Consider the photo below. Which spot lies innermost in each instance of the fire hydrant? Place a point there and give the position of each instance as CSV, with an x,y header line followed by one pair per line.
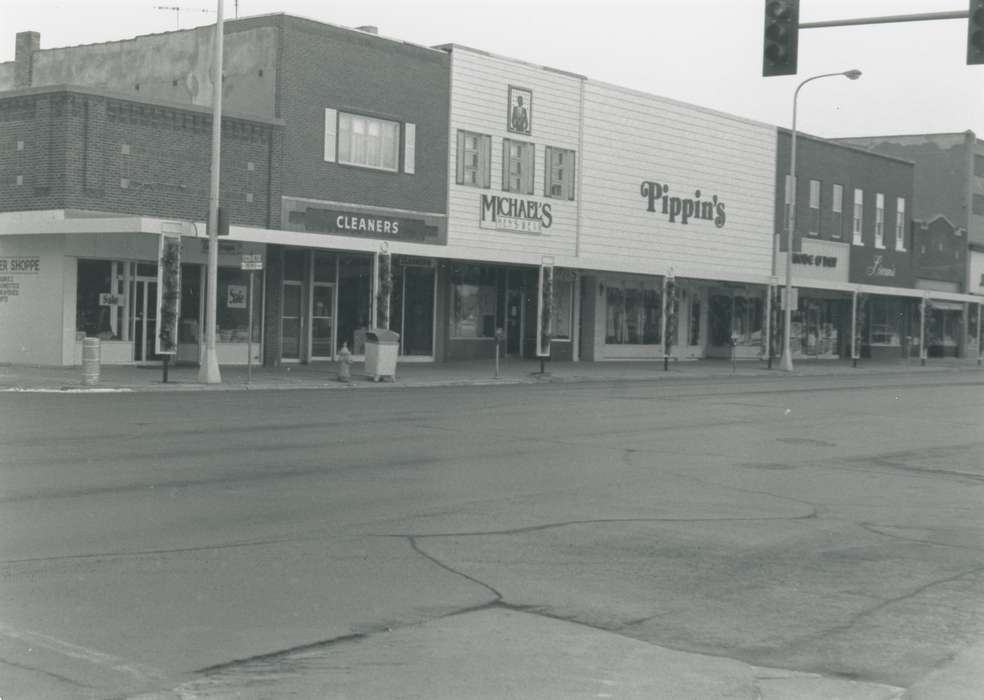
x,y
344,364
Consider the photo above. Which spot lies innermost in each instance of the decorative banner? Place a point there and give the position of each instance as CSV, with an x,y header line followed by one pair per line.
x,y
168,295
545,311
384,291
670,310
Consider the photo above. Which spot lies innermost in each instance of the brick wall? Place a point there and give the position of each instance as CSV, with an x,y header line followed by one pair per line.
x,y
329,67
832,163
76,150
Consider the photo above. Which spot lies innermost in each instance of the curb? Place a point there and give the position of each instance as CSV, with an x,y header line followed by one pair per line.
x,y
358,385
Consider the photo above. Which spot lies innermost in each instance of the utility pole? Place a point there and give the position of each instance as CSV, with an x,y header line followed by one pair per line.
x,y
208,373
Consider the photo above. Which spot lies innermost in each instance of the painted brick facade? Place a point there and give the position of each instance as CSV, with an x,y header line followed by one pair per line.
x,y
72,149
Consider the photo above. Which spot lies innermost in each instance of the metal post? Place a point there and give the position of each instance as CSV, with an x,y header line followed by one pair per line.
x,y
768,324
663,328
980,336
208,373
249,342
496,358
922,331
854,328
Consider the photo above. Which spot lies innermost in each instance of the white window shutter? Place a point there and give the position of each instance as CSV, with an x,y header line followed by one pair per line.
x,y
331,134
409,147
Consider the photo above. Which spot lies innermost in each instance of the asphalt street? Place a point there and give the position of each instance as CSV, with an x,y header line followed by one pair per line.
x,y
524,541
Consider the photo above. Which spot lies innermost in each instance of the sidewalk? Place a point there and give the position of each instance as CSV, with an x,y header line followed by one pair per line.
x,y
324,375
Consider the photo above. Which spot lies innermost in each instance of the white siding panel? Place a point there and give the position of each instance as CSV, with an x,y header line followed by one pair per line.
x,y
630,137
479,103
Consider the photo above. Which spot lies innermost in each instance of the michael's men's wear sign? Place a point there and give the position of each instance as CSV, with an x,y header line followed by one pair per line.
x,y
514,214
366,224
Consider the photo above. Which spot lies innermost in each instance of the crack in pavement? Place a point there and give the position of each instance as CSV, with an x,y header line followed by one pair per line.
x,y
836,629
593,521
872,528
50,674
412,539
149,552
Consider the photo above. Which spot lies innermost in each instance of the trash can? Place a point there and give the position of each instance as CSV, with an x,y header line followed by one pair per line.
x,y
91,357
382,347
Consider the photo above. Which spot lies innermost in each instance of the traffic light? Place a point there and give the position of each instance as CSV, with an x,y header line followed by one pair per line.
x,y
975,33
781,37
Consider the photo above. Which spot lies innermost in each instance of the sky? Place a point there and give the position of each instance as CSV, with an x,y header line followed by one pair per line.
x,y
706,52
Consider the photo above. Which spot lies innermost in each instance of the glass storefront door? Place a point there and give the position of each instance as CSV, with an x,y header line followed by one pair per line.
x,y
290,327
145,319
418,311
322,320
515,312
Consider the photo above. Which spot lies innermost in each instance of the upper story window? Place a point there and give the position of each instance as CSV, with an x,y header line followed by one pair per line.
x,y
369,142
559,180
517,166
473,159
977,204
858,216
837,210
900,223
978,165
879,220
814,222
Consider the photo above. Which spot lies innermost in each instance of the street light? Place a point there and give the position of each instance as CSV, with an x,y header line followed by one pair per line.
x,y
786,364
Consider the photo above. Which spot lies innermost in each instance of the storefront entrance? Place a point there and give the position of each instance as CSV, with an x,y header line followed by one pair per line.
x,y
322,320
515,322
417,311
144,320
290,322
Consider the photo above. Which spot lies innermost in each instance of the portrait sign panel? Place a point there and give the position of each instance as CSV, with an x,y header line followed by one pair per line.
x,y
519,118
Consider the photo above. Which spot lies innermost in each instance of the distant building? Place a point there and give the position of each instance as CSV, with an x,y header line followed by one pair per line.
x,y
949,183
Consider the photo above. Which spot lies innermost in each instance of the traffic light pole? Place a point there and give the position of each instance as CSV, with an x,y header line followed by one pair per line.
x,y
920,17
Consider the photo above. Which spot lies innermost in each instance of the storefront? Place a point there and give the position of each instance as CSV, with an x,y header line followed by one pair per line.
x,y
821,317
105,285
487,300
889,306
346,268
678,245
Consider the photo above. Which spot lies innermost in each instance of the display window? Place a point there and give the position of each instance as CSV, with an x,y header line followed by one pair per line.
x,y
232,310
100,299
563,305
735,319
633,313
473,301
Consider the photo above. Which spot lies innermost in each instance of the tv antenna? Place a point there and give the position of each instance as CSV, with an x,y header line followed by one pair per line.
x,y
178,9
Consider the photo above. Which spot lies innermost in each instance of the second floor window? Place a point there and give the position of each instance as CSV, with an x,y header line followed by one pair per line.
x,y
858,216
517,166
373,143
814,220
559,180
900,223
879,220
473,159
837,210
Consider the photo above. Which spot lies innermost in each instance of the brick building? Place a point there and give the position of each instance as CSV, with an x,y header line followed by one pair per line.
x,y
334,149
